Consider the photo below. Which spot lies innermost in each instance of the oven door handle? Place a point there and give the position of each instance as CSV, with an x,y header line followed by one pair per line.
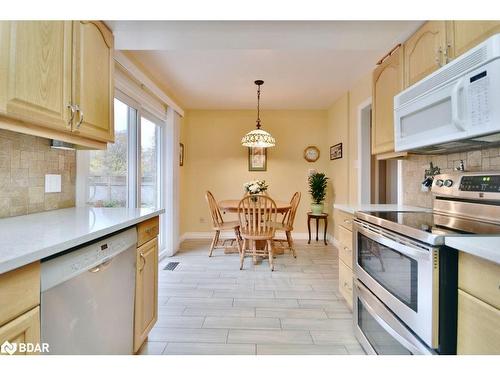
x,y
393,242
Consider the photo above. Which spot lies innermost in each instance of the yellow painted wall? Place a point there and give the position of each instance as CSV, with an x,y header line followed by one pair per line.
x,y
182,175
338,132
338,170
215,159
342,126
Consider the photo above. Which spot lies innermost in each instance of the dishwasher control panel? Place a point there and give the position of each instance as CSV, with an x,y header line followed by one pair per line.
x,y
61,268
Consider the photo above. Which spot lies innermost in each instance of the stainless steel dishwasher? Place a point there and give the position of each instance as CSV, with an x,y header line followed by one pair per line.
x,y
87,301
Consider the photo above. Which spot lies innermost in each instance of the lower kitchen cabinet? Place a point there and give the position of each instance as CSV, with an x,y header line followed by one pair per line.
x,y
19,307
25,329
345,282
146,291
19,291
344,243
478,327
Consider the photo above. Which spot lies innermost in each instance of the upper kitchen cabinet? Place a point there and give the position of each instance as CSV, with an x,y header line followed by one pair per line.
x,y
387,82
425,51
93,80
35,72
467,34
56,80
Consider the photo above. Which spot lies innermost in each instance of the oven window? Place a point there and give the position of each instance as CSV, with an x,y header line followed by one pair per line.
x,y
396,272
380,340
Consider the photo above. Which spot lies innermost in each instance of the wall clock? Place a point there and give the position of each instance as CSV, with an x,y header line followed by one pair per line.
x,y
311,154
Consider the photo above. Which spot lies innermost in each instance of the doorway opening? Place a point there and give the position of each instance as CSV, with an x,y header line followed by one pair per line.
x,y
378,178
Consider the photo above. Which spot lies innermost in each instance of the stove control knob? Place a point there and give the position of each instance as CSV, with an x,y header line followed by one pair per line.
x,y
448,183
439,183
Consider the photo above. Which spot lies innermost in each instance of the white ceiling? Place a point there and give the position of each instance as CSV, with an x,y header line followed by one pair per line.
x,y
305,64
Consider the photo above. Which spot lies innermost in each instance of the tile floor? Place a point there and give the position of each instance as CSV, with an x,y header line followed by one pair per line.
x,y
208,306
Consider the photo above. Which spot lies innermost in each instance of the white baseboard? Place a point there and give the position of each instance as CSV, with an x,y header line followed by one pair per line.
x,y
223,235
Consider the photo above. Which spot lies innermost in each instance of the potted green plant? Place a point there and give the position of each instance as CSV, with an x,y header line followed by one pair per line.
x,y
317,189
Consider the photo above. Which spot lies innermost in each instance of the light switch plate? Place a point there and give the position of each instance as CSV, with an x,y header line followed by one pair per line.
x,y
52,183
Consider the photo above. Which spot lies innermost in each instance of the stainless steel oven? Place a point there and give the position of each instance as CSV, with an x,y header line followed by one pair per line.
x,y
378,329
403,274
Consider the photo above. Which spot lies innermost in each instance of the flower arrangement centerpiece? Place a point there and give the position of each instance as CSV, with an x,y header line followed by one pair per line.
x,y
255,187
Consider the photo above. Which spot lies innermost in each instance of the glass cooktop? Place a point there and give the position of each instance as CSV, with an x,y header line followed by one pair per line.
x,y
418,220
427,226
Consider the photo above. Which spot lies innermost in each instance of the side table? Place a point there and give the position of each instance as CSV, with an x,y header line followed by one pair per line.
x,y
324,217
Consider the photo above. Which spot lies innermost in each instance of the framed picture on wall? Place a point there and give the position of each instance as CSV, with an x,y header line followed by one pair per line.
x,y
257,159
336,151
181,154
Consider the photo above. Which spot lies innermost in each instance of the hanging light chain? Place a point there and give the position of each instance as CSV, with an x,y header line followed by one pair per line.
x,y
258,106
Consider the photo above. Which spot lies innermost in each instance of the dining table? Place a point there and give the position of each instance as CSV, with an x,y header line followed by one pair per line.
x,y
231,206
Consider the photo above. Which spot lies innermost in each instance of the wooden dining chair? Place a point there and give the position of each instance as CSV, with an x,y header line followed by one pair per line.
x,y
286,224
219,225
256,215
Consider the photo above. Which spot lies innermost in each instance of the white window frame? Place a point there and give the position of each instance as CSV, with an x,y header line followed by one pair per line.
x,y
133,161
160,125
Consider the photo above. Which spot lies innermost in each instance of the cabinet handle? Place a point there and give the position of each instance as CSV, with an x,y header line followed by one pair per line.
x,y
349,222
439,56
446,53
81,117
71,107
141,255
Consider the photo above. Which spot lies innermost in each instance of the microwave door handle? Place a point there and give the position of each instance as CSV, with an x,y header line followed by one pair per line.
x,y
455,117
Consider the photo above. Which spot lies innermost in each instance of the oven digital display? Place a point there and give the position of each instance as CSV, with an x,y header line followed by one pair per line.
x,y
480,183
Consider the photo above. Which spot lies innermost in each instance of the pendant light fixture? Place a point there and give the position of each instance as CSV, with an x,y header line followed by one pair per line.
x,y
258,137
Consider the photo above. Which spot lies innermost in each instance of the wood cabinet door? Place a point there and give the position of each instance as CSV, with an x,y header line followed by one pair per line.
x,y
93,87
24,329
467,34
35,72
146,291
345,282
478,329
425,51
387,82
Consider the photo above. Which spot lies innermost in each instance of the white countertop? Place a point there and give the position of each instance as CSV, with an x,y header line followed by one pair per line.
x,y
28,238
352,208
486,247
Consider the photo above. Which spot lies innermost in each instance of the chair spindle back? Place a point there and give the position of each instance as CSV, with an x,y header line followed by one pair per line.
x,y
257,213
289,218
214,210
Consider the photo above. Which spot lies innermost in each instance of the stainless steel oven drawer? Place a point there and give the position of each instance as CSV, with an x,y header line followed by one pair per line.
x,y
378,330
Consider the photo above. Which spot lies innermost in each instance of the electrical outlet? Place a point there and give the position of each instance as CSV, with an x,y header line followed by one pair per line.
x,y
203,220
52,183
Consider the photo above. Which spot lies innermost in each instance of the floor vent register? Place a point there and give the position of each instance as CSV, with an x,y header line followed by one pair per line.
x,y
171,266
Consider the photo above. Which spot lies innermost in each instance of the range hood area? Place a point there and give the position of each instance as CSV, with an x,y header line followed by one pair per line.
x,y
491,140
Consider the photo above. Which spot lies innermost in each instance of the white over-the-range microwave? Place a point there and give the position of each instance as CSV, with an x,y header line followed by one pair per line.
x,y
455,108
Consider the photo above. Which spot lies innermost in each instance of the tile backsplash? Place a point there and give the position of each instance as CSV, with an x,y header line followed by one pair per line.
x,y
24,161
414,168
